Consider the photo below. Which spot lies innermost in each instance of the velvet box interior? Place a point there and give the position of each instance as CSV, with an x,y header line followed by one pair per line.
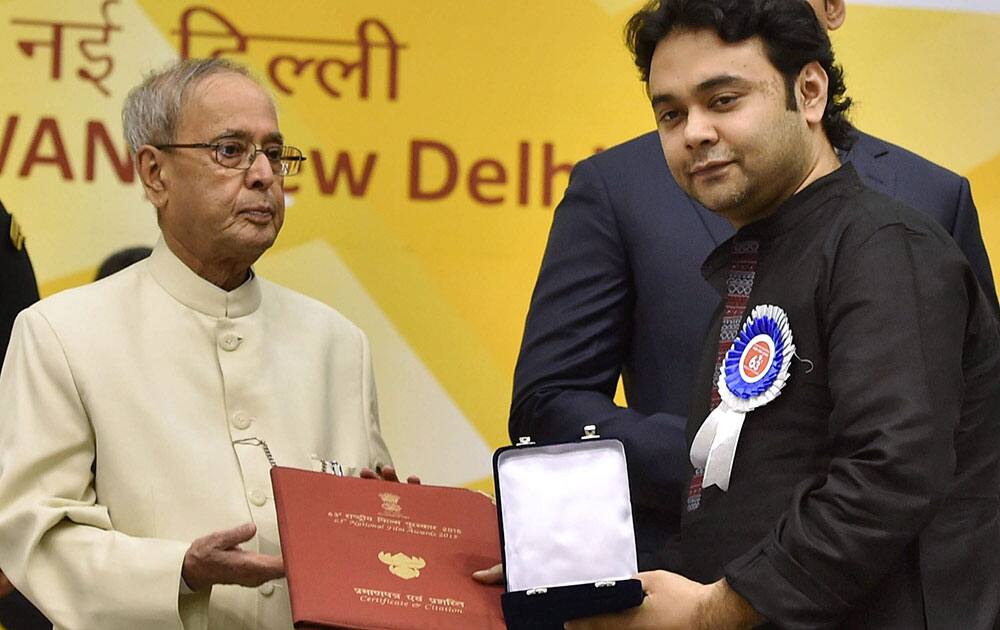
x,y
566,531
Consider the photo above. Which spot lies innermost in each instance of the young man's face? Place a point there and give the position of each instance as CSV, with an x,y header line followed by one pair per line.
x,y
728,136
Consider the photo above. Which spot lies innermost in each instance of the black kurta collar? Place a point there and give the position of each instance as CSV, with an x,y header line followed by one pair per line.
x,y
788,215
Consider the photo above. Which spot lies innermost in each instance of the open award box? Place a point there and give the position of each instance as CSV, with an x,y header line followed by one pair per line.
x,y
566,531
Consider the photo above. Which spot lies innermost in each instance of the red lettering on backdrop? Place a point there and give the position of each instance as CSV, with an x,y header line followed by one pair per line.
x,y
524,163
86,45
371,35
357,185
47,127
46,146
477,178
417,149
97,132
485,172
8,136
230,30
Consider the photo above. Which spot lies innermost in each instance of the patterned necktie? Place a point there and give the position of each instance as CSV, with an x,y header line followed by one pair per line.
x,y
742,267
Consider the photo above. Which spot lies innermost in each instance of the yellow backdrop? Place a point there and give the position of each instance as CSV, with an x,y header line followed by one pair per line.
x,y
439,136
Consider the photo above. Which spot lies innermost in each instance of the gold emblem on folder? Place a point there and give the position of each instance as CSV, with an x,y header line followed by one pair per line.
x,y
402,565
16,235
390,504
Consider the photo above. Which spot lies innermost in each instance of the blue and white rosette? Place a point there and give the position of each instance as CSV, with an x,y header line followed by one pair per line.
x,y
753,373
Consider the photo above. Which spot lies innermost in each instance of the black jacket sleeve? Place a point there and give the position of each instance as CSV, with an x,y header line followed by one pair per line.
x,y
17,280
575,339
896,318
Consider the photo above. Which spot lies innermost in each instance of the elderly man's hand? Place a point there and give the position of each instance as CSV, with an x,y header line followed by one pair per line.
x,y
386,473
490,576
218,559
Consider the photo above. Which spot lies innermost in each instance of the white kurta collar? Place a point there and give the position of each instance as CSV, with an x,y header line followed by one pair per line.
x,y
190,289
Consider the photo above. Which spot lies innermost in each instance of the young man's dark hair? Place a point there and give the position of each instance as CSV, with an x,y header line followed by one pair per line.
x,y
791,34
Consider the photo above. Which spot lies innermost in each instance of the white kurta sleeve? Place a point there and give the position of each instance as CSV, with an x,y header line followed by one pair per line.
x,y
58,544
378,453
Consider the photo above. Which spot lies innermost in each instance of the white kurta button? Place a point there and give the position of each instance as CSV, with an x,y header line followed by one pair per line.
x,y
266,589
242,420
258,498
229,342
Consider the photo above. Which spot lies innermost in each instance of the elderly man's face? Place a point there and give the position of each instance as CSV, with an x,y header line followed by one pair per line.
x,y
212,212
727,134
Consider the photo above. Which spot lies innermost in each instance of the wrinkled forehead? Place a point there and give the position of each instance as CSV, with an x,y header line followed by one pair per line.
x,y
229,101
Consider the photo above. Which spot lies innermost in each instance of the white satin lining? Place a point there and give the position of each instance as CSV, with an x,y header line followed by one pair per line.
x,y
566,513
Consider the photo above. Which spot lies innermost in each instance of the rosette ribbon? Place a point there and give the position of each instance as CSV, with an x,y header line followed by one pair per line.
x,y
755,369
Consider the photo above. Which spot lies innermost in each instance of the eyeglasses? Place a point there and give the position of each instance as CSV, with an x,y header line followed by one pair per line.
x,y
284,160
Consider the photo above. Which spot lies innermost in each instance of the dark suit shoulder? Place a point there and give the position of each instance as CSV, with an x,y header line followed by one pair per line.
x,y
622,183
636,180
942,194
640,154
908,166
638,147
871,210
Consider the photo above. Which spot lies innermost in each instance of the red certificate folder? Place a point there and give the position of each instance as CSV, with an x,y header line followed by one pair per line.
x,y
374,555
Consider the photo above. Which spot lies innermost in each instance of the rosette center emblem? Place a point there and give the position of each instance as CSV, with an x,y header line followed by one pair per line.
x,y
757,359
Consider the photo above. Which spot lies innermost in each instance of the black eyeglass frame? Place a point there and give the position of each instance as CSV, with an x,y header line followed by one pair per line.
x,y
284,161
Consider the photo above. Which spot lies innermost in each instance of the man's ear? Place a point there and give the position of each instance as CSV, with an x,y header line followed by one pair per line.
x,y
834,12
149,165
811,91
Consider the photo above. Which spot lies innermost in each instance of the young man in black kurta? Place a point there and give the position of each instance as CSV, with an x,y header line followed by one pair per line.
x,y
864,494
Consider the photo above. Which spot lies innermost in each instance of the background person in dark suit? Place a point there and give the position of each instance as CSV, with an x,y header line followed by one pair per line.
x,y
17,279
620,293
17,291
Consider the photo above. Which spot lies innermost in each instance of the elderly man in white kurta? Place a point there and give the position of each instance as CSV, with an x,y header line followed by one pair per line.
x,y
134,487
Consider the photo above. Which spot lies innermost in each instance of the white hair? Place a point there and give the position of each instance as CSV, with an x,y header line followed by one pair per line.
x,y
152,108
